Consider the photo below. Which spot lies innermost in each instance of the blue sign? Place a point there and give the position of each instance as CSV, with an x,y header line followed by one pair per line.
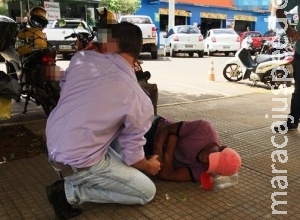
x,y
252,4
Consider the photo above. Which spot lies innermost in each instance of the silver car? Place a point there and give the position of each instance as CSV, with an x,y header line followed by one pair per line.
x,y
184,39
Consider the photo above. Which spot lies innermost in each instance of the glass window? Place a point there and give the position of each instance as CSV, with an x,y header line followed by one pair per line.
x,y
188,30
170,32
74,25
267,34
224,31
255,34
137,20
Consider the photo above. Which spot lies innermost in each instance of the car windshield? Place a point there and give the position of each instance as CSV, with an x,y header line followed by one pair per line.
x,y
279,32
136,20
72,24
224,31
188,30
253,34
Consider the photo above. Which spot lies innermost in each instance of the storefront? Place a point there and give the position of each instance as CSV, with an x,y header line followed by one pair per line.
x,y
182,17
244,22
211,20
205,14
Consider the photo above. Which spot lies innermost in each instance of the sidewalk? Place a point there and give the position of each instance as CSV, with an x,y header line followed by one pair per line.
x,y
241,123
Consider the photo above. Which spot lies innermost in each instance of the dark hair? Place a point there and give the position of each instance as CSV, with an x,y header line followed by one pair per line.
x,y
130,39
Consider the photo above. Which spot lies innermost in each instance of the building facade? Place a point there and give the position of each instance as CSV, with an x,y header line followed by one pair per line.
x,y
237,14
209,14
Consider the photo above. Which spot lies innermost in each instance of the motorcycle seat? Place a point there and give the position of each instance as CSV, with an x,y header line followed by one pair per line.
x,y
269,57
245,57
263,58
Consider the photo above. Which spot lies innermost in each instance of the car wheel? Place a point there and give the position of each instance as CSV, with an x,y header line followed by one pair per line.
x,y
279,74
153,55
208,52
172,53
67,56
191,54
232,72
201,53
166,54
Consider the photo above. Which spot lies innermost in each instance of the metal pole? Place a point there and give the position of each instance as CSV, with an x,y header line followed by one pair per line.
x,y
21,9
27,6
171,22
86,14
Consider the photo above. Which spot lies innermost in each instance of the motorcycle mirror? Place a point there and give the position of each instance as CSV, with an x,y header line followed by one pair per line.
x,y
102,11
62,23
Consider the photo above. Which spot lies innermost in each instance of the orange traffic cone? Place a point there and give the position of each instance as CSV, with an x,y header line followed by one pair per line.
x,y
211,72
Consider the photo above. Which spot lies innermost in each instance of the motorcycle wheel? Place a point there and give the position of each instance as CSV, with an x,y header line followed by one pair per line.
x,y
280,74
55,89
232,72
48,96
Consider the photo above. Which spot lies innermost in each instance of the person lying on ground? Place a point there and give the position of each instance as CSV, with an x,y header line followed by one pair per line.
x,y
188,148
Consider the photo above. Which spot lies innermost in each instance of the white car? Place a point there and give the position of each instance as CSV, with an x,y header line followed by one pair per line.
x,y
222,40
184,39
61,28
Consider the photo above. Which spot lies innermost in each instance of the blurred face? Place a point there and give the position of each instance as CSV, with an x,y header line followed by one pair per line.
x,y
108,41
203,156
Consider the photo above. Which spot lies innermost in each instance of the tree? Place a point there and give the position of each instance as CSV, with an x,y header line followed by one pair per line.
x,y
3,11
90,20
121,6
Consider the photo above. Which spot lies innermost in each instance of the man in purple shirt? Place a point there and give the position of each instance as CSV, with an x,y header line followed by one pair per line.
x,y
188,148
101,106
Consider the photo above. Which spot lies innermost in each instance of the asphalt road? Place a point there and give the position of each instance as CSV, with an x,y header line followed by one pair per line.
x,y
189,76
185,75
180,80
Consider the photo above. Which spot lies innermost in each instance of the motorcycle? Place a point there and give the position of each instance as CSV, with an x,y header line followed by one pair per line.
x,y
273,70
33,76
278,46
83,39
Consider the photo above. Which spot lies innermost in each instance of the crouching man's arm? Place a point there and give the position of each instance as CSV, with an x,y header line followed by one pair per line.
x,y
151,166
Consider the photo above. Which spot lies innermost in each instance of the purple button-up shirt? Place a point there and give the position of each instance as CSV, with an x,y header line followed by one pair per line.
x,y
100,99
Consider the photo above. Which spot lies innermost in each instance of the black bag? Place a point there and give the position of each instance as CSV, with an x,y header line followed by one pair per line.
x,y
9,87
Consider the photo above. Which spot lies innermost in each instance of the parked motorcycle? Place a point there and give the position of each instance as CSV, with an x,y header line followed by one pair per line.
x,y
271,47
33,76
83,39
273,70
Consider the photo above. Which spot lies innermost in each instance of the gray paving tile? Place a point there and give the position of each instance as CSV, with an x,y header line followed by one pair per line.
x,y
242,125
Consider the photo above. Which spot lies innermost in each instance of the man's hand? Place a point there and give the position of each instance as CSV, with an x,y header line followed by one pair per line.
x,y
150,166
154,165
292,34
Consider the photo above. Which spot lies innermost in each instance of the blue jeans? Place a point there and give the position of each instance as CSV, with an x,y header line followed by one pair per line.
x,y
110,181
